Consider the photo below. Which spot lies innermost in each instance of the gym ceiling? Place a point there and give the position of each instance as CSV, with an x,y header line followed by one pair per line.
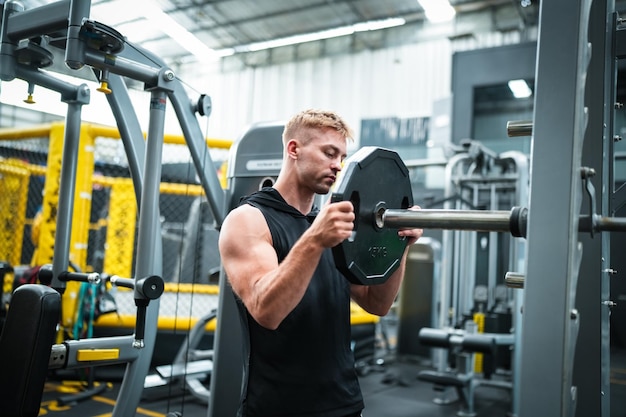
x,y
238,26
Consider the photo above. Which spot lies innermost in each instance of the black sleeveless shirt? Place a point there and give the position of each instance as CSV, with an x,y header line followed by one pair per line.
x,y
305,367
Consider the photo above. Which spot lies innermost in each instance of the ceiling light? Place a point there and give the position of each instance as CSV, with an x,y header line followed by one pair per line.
x,y
378,24
520,88
325,34
182,36
437,11
293,40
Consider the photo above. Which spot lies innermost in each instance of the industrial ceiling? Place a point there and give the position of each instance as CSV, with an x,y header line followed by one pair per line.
x,y
236,26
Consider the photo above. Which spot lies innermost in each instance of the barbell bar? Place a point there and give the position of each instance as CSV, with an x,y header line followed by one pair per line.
x,y
513,221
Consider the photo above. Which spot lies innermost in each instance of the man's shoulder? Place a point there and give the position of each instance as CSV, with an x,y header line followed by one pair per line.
x,y
242,219
244,211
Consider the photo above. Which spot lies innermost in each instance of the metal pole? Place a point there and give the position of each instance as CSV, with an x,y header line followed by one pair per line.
x,y
149,256
477,220
130,131
67,186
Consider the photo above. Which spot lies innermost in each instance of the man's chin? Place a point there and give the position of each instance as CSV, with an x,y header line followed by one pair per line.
x,y
323,190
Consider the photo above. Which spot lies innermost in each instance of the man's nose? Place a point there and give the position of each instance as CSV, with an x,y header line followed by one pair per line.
x,y
337,165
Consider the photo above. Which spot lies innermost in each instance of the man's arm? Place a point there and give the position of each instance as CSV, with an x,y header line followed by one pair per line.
x,y
269,290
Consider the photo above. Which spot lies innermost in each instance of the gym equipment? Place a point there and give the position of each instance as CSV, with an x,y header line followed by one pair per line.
x,y
478,177
374,250
573,124
93,46
376,181
514,280
254,162
149,288
28,333
513,221
464,344
372,253
190,366
517,128
417,305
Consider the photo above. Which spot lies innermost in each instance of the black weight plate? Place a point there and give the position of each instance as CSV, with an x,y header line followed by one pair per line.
x,y
371,179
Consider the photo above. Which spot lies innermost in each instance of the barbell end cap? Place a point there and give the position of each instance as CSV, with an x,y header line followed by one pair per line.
x,y
514,280
518,221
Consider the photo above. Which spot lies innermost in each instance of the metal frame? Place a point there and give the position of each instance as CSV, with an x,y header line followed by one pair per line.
x,y
551,322
457,284
144,161
566,296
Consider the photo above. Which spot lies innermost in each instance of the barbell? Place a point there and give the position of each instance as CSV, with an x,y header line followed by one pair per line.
x,y
377,182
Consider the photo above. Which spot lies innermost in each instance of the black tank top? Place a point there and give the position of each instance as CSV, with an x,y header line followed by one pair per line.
x,y
305,367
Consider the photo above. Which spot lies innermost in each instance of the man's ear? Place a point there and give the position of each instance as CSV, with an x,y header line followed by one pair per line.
x,y
293,148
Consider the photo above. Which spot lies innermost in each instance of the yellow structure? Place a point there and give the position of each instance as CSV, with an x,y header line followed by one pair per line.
x,y
120,222
14,177
479,319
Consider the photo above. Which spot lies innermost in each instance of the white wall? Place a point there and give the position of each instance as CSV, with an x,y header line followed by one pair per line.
x,y
402,81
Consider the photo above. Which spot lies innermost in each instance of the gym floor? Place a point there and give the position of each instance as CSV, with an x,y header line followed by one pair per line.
x,y
390,389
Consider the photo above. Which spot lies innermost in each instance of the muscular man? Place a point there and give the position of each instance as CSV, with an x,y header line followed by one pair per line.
x,y
294,303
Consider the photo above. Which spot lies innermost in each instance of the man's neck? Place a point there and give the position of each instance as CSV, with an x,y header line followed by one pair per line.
x,y
300,199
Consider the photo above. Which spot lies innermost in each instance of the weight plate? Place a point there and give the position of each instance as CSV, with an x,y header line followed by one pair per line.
x,y
372,179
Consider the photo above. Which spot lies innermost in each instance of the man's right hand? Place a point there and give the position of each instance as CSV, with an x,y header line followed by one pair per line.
x,y
333,224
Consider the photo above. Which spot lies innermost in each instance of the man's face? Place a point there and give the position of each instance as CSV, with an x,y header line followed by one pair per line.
x,y
320,160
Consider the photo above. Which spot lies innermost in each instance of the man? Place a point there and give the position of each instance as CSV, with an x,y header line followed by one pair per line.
x,y
294,303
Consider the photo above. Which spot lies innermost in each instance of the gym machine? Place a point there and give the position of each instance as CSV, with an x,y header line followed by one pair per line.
x,y
254,162
464,344
34,39
190,367
472,292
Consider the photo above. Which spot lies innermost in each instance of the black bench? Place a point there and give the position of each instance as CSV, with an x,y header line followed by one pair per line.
x,y
25,344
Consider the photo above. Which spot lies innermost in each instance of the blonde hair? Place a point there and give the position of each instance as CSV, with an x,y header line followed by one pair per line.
x,y
313,119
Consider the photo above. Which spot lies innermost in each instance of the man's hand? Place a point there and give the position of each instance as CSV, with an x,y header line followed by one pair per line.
x,y
412,234
333,224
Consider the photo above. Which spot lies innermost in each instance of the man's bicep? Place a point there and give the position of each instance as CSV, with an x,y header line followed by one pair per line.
x,y
246,249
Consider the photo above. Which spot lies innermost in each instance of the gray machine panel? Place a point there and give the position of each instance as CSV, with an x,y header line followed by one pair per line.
x,y
255,160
